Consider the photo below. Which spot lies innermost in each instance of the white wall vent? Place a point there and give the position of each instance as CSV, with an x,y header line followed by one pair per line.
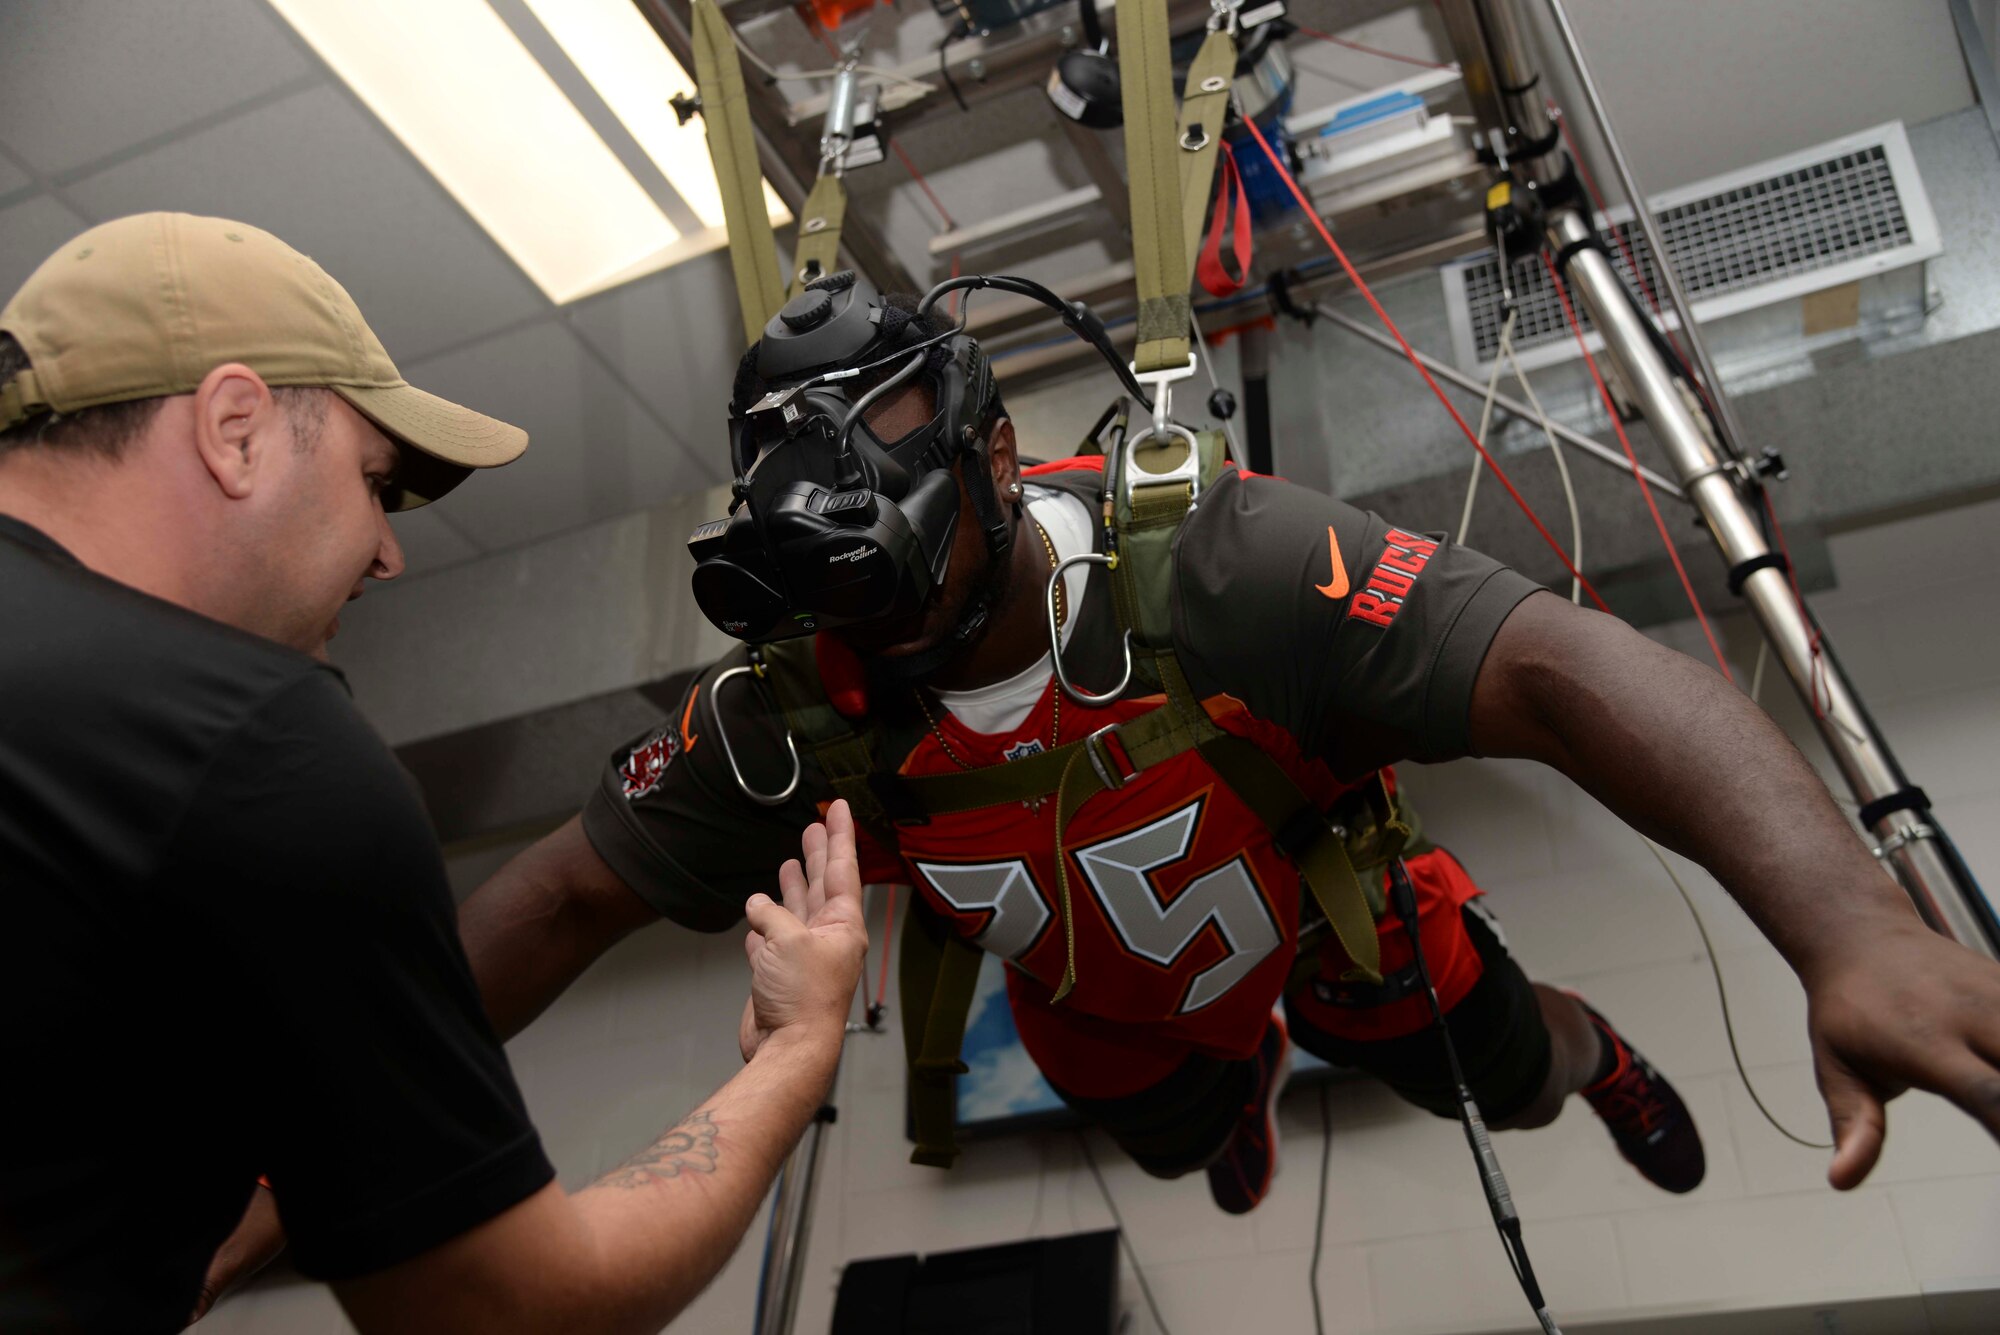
x,y
1846,210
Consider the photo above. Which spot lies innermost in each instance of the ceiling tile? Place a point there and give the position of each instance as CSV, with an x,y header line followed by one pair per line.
x,y
594,451
428,539
86,78
676,339
29,233
323,174
12,178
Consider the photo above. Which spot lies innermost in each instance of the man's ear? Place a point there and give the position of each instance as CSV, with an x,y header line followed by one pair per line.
x,y
1005,456
235,427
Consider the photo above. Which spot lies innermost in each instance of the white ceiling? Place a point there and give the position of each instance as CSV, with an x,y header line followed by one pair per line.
x,y
115,106
109,107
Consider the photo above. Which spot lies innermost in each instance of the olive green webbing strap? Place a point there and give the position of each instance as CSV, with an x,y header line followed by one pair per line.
x,y
1146,740
1204,103
1158,252
845,755
818,250
936,977
1323,862
732,144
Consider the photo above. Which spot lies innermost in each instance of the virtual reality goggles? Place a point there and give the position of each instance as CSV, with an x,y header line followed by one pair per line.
x,y
831,525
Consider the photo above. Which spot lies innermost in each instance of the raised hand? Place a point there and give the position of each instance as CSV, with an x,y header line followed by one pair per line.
x,y
806,953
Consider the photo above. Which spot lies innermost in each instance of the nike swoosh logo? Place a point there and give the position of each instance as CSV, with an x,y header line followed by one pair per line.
x,y
1336,587
688,739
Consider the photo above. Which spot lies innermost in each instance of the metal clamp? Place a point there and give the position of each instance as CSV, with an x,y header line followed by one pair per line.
x,y
1735,468
729,752
1907,835
1162,427
1161,382
1069,688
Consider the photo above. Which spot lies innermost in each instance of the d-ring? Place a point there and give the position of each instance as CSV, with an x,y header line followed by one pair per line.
x,y
1076,693
729,752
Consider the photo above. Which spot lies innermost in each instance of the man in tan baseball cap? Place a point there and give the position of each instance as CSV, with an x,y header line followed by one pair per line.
x,y
172,355
144,307
225,933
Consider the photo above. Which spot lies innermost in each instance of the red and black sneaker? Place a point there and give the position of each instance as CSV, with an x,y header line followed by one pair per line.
x,y
1647,1119
1241,1176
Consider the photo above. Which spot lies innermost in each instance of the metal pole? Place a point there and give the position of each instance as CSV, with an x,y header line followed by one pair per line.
x,y
791,1231
1908,836
1911,843
1530,132
1445,371
1642,213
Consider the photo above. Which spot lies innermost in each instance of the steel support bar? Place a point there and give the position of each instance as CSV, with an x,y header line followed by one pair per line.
x,y
1909,837
791,1231
1642,213
1978,65
789,164
1518,84
1451,374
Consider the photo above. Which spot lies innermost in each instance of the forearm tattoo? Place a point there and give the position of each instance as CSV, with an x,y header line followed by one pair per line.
x,y
688,1147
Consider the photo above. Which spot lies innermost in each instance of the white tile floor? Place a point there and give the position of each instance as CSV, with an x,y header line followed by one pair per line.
x,y
650,1029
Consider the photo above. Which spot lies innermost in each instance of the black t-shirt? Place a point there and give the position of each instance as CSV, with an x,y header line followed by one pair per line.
x,y
1356,640
226,947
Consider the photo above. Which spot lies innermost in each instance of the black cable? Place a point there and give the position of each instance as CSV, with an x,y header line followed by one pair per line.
x,y
944,67
1083,1143
1078,318
1319,1219
1093,27
1499,1199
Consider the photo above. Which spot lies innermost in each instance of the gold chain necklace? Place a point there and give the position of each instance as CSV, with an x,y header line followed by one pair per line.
x,y
1055,714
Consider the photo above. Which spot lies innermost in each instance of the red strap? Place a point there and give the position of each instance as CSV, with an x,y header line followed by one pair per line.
x,y
1216,280
1078,463
841,676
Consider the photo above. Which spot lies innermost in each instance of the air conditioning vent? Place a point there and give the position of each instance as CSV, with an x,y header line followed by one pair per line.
x,y
1844,211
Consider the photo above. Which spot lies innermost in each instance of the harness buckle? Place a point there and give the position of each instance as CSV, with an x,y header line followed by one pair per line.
x,y
1161,382
1162,428
1109,772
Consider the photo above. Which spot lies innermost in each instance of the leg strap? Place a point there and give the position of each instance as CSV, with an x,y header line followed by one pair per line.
x,y
938,974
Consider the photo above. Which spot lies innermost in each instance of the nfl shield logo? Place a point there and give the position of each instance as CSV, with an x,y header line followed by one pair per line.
x,y
1022,750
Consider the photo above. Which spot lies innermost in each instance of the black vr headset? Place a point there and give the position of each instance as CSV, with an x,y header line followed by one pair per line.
x,y
831,525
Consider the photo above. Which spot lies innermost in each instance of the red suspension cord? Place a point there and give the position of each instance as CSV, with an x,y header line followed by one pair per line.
x,y
1362,287
888,944
1817,678
1816,675
1318,36
1645,489
922,184
1625,249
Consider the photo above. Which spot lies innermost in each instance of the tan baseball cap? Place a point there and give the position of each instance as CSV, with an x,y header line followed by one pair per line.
x,y
145,306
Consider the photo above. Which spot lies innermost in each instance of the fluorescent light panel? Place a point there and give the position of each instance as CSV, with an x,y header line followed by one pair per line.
x,y
635,74
453,83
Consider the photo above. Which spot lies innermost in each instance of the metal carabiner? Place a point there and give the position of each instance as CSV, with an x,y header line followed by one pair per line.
x,y
1074,692
729,752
